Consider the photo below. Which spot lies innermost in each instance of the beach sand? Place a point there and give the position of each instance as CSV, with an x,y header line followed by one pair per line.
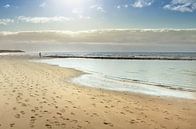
x,y
39,96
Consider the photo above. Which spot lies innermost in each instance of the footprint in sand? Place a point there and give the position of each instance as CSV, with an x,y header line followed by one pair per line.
x,y
122,113
95,114
107,123
22,112
162,126
74,121
129,111
24,104
33,110
56,123
166,118
17,116
62,110
45,111
79,126
87,122
106,107
32,121
61,117
32,126
132,122
26,100
33,118
36,114
63,124
58,113
12,124
92,98
72,113
105,112
94,104
48,126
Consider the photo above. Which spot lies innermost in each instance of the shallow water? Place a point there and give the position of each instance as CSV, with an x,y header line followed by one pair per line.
x,y
154,77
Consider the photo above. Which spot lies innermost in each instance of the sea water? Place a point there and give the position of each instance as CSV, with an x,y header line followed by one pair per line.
x,y
153,77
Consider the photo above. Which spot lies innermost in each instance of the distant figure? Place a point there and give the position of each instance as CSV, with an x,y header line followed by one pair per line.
x,y
40,54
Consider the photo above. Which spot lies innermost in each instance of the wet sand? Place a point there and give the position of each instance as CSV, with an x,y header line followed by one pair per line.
x,y
39,96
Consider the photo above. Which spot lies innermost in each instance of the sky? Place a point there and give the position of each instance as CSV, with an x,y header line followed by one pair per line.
x,y
119,25
74,15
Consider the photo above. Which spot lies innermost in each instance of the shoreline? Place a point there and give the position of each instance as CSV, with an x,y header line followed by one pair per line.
x,y
79,73
185,92
193,93
36,95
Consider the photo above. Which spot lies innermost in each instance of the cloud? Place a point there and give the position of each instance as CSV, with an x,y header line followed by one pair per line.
x,y
122,6
93,6
126,5
142,3
6,21
43,5
118,6
101,40
159,36
77,11
6,6
98,8
181,5
82,17
43,20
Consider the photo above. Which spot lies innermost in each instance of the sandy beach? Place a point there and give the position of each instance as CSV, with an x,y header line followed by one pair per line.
x,y
40,96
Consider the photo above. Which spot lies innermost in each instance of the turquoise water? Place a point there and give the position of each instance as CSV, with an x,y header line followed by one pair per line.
x,y
153,77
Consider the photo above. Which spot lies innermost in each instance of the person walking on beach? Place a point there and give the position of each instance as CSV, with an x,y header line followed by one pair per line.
x,y
40,54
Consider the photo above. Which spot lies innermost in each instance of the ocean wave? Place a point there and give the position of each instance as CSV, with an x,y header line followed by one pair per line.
x,y
171,87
